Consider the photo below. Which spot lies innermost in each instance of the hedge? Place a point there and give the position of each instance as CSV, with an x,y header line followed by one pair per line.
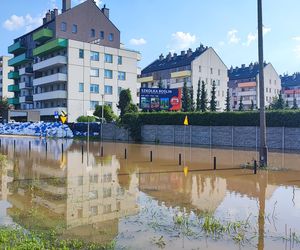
x,y
135,121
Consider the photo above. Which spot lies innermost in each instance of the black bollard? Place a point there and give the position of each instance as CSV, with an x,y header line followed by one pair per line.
x,y
150,156
179,160
14,145
62,151
215,163
255,167
46,147
29,146
82,150
125,153
102,151
0,143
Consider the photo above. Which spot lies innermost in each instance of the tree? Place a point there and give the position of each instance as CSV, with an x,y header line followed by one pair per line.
x,y
228,101
124,101
185,98
198,103
287,106
213,102
4,104
86,119
241,105
192,103
278,103
108,113
160,84
203,99
252,105
295,105
132,108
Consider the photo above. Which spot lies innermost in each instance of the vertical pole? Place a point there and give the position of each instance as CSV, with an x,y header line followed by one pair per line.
x,y
82,153
151,156
179,160
255,167
14,145
29,146
263,151
0,143
215,163
46,148
125,153
102,151
62,151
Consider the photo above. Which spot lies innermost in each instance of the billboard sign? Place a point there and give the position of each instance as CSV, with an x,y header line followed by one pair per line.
x,y
160,99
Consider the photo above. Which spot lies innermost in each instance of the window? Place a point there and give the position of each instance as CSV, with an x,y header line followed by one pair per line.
x,y
108,90
121,76
94,56
93,195
80,180
108,104
63,26
199,68
74,28
106,192
102,35
93,34
219,72
107,209
211,71
94,210
94,88
108,58
108,74
111,37
93,105
120,60
95,72
81,53
81,87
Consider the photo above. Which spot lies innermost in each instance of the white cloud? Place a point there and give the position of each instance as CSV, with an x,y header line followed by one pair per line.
x,y
296,38
19,22
252,37
232,37
297,51
182,41
221,43
137,42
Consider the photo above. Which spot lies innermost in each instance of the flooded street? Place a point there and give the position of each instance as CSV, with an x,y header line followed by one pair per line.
x,y
119,194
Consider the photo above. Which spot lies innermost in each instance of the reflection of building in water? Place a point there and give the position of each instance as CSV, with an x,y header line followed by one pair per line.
x,y
86,200
6,178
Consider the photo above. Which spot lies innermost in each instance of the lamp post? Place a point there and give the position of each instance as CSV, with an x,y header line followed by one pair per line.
x,y
263,151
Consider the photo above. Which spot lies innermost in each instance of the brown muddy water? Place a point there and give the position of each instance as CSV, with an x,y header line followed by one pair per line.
x,y
141,204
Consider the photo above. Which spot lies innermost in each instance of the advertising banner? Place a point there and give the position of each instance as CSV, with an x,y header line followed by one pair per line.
x,y
160,99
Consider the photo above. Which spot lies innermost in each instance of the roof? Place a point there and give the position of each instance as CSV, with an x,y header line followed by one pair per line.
x,y
244,72
174,61
290,80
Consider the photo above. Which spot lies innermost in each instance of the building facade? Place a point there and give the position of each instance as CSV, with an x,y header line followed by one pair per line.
x,y
72,63
244,85
5,78
291,89
172,71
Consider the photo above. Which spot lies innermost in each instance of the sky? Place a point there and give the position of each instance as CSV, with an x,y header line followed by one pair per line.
x,y
160,26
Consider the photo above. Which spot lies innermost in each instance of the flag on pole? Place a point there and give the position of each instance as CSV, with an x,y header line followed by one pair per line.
x,y
186,121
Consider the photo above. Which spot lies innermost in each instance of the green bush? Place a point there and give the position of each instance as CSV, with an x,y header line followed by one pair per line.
x,y
86,119
284,118
108,113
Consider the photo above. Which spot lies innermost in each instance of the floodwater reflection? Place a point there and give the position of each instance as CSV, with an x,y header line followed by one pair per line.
x,y
58,185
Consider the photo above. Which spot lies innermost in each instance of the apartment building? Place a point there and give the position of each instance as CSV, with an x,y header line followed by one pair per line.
x,y
5,78
291,88
244,85
72,63
172,71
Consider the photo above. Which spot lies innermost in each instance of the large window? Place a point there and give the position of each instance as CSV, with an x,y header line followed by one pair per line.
x,y
94,88
108,58
93,34
63,26
120,60
121,75
93,104
95,72
74,28
102,35
94,56
108,90
108,74
81,53
81,87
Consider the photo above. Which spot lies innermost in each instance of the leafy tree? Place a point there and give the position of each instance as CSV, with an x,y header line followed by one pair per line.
x,y
287,106
295,105
198,102
213,102
124,101
203,99
108,113
160,84
132,108
192,103
252,105
241,105
228,101
185,98
278,103
4,104
86,119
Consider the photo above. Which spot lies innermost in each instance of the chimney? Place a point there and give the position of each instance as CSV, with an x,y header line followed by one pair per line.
x,y
52,15
48,16
243,66
161,57
174,56
231,69
182,53
44,20
169,56
55,12
189,52
105,11
66,5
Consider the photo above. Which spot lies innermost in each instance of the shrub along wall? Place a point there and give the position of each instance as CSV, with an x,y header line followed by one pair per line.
x,y
135,121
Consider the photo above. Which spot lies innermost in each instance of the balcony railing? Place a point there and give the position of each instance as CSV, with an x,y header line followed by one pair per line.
x,y
42,35
13,75
18,60
16,48
13,88
50,47
13,101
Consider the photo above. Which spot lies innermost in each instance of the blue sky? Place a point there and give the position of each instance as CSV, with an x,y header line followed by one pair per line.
x,y
159,26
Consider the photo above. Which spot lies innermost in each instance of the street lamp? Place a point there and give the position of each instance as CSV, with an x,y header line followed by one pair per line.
x,y
263,151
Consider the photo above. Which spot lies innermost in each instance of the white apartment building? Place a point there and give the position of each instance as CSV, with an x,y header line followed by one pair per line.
x,y
5,78
244,84
203,64
291,88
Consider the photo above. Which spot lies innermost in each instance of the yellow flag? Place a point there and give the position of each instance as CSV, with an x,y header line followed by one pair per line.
x,y
186,171
63,119
186,121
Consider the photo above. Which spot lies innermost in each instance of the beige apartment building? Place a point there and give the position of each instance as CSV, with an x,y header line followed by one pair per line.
x,y
5,77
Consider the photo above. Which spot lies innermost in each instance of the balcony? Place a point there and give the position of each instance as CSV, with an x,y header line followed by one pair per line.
x,y
16,48
13,88
42,35
25,85
18,60
13,101
26,99
58,94
145,79
50,47
59,77
25,71
13,75
247,93
51,62
179,74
